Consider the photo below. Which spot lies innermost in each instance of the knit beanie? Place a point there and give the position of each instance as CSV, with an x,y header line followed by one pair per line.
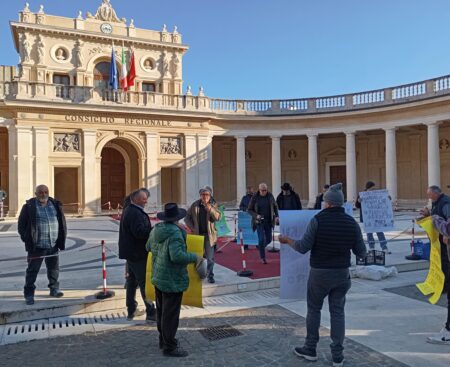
x,y
334,195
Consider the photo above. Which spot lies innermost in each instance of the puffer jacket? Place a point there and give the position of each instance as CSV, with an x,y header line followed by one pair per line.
x,y
167,242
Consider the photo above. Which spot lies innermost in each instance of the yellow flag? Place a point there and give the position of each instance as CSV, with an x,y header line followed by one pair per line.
x,y
434,283
193,295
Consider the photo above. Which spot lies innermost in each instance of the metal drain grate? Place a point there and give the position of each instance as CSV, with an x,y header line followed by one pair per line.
x,y
220,332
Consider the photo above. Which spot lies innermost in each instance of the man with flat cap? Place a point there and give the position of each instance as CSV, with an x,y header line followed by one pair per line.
x,y
200,219
330,236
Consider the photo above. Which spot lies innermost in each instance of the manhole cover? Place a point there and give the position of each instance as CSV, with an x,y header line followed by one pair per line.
x,y
220,332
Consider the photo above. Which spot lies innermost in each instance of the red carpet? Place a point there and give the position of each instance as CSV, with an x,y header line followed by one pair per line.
x,y
230,257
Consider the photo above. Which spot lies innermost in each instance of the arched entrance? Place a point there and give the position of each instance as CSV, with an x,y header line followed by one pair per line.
x,y
119,172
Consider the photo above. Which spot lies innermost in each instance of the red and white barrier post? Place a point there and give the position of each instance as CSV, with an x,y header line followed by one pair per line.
x,y
105,293
273,248
244,272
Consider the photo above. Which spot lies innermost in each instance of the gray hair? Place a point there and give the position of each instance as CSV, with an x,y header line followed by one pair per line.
x,y
435,188
137,192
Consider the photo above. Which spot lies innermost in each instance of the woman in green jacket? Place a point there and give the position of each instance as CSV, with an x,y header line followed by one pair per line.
x,y
170,258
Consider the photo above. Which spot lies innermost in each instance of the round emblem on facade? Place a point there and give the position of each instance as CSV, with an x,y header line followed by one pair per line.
x,y
106,28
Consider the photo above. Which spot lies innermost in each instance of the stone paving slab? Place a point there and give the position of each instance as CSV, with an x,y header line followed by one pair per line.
x,y
269,335
411,291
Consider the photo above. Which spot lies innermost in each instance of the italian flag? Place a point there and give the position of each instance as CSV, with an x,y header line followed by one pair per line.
x,y
124,76
132,74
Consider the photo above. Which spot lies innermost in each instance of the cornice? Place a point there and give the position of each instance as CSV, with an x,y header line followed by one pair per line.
x,y
86,35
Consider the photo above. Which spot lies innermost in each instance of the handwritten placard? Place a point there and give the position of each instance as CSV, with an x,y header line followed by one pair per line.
x,y
377,211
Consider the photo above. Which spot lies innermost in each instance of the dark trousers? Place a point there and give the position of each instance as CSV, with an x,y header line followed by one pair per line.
x,y
335,284
445,266
34,265
210,251
168,307
136,277
264,231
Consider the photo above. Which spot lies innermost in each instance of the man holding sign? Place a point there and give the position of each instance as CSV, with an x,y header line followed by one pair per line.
x,y
330,236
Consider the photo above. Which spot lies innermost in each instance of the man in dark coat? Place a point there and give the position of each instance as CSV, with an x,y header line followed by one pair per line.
x,y
331,236
243,206
288,199
264,212
319,198
42,227
134,230
440,206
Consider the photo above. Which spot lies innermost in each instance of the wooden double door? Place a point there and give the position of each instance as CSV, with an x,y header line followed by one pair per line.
x,y
113,178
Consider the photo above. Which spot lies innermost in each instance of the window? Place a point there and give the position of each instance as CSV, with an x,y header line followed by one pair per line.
x,y
62,83
61,79
101,75
148,87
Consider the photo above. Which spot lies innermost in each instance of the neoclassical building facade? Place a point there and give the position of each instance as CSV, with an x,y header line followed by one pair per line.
x,y
61,125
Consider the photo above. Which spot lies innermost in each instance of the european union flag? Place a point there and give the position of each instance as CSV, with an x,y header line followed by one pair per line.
x,y
113,78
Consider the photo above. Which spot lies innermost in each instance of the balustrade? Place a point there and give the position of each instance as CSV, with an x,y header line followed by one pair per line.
x,y
18,89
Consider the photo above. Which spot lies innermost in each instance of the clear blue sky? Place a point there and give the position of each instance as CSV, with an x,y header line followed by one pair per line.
x,y
262,49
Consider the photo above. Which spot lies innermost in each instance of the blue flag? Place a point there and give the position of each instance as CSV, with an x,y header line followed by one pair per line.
x,y
113,80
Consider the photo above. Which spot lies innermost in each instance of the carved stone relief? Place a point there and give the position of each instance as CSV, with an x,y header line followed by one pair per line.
x,y
170,145
174,66
25,48
164,64
40,50
66,142
79,54
106,13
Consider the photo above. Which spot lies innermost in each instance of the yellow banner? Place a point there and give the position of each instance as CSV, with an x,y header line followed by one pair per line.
x,y
193,295
434,283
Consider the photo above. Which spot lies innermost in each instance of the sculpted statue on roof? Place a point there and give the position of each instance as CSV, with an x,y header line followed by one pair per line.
x,y
106,13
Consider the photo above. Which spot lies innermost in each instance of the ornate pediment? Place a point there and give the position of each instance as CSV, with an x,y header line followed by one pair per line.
x,y
106,13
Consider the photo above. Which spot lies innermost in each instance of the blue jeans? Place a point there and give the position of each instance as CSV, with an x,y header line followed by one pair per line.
x,y
381,238
335,284
264,231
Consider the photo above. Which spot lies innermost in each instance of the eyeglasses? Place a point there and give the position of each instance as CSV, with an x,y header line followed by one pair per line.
x,y
263,190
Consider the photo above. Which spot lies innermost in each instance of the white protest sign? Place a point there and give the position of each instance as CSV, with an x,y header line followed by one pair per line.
x,y
348,206
294,266
377,212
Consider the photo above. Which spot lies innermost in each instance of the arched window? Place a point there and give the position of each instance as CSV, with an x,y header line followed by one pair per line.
x,y
101,75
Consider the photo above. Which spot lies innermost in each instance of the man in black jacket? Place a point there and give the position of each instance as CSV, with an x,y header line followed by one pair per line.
x,y
330,236
134,230
319,198
264,212
42,227
288,199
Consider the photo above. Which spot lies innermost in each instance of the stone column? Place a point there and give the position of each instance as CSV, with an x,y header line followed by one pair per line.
x,y
152,174
313,170
21,188
241,172
276,164
205,161
350,162
434,162
90,199
391,163
41,164
191,169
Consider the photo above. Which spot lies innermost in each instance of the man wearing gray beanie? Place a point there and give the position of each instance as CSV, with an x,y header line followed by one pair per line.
x,y
330,236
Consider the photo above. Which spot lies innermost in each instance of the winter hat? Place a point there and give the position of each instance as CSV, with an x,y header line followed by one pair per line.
x,y
334,195
369,185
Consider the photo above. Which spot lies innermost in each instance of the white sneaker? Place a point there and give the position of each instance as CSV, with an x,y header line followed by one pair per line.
x,y
442,338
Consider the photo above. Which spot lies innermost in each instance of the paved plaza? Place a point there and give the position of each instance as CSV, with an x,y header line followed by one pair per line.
x,y
268,335
387,321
